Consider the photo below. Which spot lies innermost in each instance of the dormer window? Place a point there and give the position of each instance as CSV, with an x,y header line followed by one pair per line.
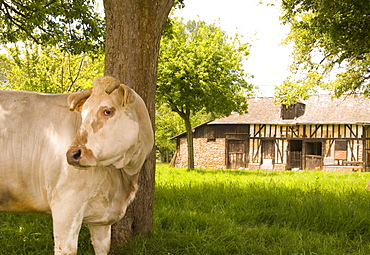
x,y
292,111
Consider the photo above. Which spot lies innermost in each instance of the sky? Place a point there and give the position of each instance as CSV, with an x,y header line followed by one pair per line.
x,y
259,25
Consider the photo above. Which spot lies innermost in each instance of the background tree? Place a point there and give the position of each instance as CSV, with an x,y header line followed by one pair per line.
x,y
329,35
73,25
200,70
169,124
48,69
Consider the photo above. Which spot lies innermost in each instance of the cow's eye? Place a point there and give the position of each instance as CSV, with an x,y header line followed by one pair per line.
x,y
107,112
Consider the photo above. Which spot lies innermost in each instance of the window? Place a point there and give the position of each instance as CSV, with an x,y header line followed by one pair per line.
x,y
314,148
341,145
288,112
292,111
340,150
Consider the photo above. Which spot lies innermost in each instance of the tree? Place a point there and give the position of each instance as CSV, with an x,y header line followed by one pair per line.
x,y
133,32
48,69
200,70
169,124
327,36
74,25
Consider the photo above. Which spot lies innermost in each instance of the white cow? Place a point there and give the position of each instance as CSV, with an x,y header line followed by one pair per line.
x,y
76,167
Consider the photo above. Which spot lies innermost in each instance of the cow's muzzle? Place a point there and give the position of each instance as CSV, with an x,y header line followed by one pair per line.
x,y
74,156
80,156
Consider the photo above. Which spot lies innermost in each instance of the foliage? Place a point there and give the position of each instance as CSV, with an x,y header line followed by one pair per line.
x,y
46,42
327,36
291,91
5,66
169,124
48,69
200,70
73,25
355,78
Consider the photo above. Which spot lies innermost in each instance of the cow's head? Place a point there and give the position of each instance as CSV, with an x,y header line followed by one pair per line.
x,y
115,130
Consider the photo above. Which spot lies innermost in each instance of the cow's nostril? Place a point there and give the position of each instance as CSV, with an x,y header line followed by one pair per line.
x,y
74,156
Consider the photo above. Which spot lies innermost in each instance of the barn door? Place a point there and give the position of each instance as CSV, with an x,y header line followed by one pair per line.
x,y
236,154
314,155
268,152
295,154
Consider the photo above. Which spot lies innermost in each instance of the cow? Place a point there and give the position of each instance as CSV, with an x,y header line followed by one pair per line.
x,y
74,156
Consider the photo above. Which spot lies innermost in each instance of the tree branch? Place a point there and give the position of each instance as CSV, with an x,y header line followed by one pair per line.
x,y
17,22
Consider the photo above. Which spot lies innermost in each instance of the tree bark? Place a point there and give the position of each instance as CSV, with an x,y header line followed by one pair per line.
x,y
189,138
133,34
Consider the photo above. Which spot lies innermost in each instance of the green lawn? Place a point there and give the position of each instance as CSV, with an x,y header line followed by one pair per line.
x,y
258,212
233,212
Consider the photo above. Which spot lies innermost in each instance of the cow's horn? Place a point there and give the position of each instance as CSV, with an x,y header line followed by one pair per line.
x,y
77,99
112,86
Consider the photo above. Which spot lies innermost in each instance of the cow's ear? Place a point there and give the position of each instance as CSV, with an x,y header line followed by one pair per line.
x,y
128,94
77,100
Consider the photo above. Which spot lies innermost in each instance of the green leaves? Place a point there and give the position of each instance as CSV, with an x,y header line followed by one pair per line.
x,y
73,25
200,70
327,36
48,69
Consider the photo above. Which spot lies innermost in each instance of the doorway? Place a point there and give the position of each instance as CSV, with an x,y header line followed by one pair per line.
x,y
314,157
268,152
295,154
236,150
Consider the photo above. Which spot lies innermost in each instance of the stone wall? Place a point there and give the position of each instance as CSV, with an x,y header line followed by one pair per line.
x,y
342,169
275,167
212,154
207,154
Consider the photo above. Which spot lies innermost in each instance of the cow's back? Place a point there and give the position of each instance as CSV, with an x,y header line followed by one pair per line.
x,y
35,132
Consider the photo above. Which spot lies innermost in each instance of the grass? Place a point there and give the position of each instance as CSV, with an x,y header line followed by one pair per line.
x,y
232,212
258,212
33,234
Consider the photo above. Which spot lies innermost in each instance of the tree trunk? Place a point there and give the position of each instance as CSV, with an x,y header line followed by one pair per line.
x,y
133,33
189,137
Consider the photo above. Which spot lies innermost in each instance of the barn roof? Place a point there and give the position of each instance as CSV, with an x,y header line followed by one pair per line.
x,y
320,109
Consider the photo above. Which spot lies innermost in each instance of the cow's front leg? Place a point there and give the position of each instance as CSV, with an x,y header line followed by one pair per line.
x,y
66,227
100,237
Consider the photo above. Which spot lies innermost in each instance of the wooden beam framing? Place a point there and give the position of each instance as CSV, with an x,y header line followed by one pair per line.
x,y
260,129
350,130
315,131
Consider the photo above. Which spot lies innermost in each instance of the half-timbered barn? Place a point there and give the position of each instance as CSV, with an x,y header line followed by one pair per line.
x,y
319,133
